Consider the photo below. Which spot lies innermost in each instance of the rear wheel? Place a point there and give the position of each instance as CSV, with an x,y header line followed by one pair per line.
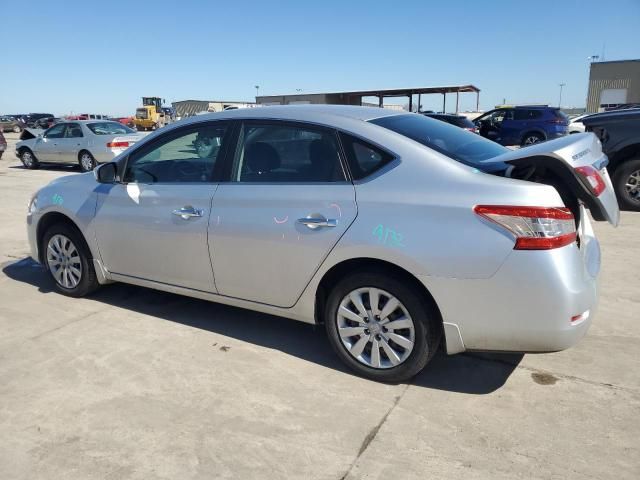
x,y
531,138
86,161
627,184
28,159
381,327
68,261
16,129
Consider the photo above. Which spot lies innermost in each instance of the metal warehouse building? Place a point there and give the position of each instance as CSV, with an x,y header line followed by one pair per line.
x,y
612,84
188,108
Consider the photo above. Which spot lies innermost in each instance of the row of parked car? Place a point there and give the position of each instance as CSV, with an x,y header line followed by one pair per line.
x,y
17,123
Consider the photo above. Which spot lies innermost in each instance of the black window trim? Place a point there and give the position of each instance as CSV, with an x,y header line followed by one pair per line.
x,y
230,157
173,134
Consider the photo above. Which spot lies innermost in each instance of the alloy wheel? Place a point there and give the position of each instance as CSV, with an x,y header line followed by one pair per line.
x,y
27,159
16,129
63,259
86,161
375,328
531,139
632,185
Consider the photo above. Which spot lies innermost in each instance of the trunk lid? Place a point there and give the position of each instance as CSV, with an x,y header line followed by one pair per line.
x,y
577,161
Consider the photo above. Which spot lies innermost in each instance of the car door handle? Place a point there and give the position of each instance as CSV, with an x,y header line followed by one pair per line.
x,y
188,212
317,222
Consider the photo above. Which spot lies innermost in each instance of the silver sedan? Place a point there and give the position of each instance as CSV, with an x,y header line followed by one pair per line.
x,y
396,231
85,143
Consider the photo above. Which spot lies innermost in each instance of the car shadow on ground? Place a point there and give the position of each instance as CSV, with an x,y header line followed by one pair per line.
x,y
465,373
54,167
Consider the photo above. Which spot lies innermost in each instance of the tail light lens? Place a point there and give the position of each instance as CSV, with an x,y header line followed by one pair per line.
x,y
535,228
118,144
593,179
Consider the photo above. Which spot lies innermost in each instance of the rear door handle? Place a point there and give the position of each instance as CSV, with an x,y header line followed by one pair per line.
x,y
188,212
317,222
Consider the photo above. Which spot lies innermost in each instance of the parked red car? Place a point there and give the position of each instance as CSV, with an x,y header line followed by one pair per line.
x,y
3,144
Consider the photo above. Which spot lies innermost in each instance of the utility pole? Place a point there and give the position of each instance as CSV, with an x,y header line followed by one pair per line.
x,y
560,99
257,87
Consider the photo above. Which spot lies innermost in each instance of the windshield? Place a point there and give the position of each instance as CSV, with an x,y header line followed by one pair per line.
x,y
109,128
454,142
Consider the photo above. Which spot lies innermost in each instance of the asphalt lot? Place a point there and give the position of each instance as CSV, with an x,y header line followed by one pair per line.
x,y
137,384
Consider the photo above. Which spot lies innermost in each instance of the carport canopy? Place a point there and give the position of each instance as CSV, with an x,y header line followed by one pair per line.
x,y
410,92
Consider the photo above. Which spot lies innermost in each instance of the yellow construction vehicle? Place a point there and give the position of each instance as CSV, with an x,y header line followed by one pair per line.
x,y
150,116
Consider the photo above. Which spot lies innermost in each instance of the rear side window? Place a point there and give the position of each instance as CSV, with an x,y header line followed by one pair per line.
x,y
364,159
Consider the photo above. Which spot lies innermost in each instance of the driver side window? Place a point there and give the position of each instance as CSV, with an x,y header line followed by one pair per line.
x,y
185,156
55,132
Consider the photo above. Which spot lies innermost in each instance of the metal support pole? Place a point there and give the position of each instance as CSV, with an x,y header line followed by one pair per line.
x,y
419,102
477,101
380,101
444,102
457,99
411,103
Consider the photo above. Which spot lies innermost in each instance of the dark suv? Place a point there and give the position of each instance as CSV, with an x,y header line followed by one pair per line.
x,y
522,125
619,132
457,120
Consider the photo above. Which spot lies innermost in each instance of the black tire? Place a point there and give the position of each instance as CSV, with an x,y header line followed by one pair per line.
x,y
531,138
88,280
86,161
628,199
28,159
16,129
428,329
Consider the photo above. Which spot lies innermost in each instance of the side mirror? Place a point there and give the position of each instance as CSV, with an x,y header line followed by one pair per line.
x,y
106,173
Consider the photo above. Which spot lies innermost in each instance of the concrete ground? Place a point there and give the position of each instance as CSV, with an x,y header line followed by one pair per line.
x,y
137,384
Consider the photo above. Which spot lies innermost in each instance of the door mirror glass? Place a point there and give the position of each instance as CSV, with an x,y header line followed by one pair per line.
x,y
106,173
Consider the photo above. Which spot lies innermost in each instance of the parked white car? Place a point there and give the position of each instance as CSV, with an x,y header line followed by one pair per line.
x,y
576,125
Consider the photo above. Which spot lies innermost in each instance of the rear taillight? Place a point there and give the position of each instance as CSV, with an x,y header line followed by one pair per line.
x,y
471,129
118,144
593,178
558,121
535,228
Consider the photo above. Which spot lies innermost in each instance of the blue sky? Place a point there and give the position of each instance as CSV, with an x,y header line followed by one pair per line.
x,y
102,57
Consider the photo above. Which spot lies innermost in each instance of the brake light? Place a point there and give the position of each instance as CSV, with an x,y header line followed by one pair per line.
x,y
593,178
558,121
535,228
471,129
118,144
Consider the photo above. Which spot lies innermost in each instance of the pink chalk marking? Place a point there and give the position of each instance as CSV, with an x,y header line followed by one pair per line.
x,y
280,222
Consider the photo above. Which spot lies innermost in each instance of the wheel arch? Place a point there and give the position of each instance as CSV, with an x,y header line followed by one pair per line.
x,y
342,268
530,130
628,152
52,218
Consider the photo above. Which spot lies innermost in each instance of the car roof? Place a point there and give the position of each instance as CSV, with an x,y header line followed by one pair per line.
x,y
613,115
451,115
305,112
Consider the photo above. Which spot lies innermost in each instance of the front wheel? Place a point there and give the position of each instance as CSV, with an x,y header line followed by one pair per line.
x,y
68,261
381,327
16,129
86,161
627,184
28,159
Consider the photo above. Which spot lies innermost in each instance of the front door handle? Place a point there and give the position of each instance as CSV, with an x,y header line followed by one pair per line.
x,y
317,222
188,212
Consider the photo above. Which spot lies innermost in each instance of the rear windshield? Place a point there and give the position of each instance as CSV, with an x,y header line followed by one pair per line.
x,y
109,128
460,145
